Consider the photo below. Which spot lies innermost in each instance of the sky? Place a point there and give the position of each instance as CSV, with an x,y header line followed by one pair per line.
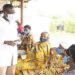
x,y
51,7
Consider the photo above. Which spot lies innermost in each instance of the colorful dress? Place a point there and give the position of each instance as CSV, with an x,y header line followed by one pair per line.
x,y
72,72
42,54
57,65
28,46
27,42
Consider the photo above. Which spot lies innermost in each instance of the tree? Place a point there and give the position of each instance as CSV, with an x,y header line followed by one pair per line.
x,y
70,26
55,22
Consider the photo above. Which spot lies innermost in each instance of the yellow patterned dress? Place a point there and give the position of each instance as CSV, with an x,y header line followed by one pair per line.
x,y
28,63
42,54
57,65
27,42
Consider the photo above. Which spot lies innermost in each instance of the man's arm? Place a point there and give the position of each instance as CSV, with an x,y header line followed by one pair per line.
x,y
11,43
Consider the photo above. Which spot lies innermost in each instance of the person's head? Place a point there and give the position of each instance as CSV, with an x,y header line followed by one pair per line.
x,y
44,37
8,9
27,29
71,52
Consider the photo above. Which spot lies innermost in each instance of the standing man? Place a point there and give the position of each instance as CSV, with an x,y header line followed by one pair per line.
x,y
8,36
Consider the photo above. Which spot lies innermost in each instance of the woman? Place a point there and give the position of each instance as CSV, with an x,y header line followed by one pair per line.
x,y
27,39
71,61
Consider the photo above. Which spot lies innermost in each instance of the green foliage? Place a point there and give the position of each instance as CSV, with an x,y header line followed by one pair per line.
x,y
56,20
70,26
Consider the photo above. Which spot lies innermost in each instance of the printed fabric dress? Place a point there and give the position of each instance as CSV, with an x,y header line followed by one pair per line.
x,y
72,72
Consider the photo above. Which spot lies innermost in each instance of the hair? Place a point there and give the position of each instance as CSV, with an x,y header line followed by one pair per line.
x,y
44,32
1,12
71,52
27,26
7,6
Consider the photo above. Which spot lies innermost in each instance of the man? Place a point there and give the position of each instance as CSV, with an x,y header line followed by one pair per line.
x,y
8,36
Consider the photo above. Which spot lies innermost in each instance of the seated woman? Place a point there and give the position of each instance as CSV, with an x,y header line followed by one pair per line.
x,y
71,61
42,50
27,65
27,39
